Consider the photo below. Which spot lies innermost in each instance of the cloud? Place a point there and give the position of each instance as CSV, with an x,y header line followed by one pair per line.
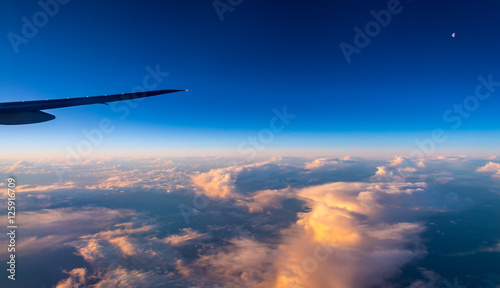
x,y
158,174
396,231
398,169
131,255
483,249
74,219
47,188
381,171
267,199
350,237
404,161
430,280
397,161
76,279
124,244
495,248
51,228
100,245
36,243
186,236
322,162
293,223
26,167
119,277
220,183
491,167
91,251
344,239
244,263
152,174
341,241
120,230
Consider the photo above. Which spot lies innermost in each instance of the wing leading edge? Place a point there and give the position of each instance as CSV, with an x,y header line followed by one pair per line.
x,y
28,112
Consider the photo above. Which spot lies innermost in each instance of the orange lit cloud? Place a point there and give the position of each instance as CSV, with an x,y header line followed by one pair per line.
x,y
337,244
186,236
340,242
76,279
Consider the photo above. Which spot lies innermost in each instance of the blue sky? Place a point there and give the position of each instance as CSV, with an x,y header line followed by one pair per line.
x,y
260,57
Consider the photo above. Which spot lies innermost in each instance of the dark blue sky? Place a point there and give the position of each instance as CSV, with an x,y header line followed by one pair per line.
x,y
262,56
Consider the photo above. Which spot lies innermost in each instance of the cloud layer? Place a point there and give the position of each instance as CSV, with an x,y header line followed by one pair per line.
x,y
278,223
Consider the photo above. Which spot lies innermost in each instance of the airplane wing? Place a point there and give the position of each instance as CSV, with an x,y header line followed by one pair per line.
x,y
28,112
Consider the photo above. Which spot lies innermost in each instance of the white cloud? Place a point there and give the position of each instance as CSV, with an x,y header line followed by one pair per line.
x,y
403,161
381,171
220,183
322,162
491,167
47,188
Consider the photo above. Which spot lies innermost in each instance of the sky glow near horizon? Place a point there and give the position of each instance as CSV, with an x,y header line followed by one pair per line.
x,y
395,92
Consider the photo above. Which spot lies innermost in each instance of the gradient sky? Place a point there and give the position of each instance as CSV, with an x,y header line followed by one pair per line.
x,y
130,212
262,56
